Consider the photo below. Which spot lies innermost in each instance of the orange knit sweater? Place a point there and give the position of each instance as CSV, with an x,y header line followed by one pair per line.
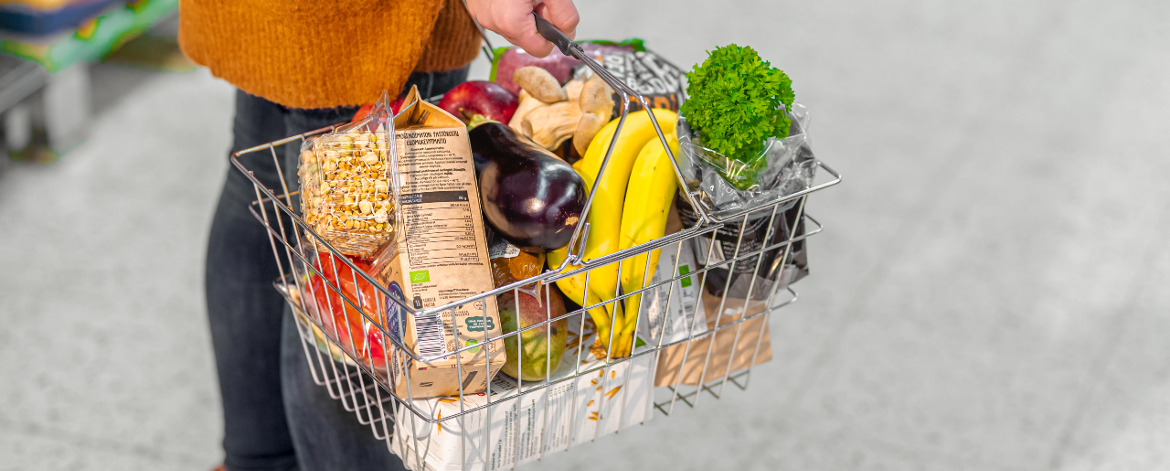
x,y
325,53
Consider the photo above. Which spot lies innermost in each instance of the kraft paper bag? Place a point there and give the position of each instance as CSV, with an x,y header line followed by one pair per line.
x,y
670,359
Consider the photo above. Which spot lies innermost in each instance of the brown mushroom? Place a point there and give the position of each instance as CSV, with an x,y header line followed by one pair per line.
x,y
540,84
596,97
587,128
549,126
527,104
596,105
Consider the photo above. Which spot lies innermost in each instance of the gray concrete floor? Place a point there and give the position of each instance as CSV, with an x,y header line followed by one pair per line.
x,y
989,292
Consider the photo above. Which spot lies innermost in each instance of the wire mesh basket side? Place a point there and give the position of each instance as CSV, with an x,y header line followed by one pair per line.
x,y
295,286
360,339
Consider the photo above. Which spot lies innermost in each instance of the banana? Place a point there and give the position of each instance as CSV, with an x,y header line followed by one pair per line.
x,y
648,200
574,288
605,214
588,181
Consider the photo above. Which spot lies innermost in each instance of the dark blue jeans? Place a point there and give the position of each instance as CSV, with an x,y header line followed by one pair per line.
x,y
275,417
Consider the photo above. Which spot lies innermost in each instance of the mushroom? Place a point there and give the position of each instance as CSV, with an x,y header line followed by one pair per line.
x,y
596,105
527,104
549,126
540,84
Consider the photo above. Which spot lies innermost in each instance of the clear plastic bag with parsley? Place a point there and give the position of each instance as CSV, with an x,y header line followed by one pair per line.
x,y
744,141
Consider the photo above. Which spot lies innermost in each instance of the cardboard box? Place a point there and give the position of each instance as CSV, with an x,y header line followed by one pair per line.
x,y
440,255
521,429
670,359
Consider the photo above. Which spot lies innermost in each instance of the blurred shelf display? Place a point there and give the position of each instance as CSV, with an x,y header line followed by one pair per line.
x,y
41,18
44,73
92,38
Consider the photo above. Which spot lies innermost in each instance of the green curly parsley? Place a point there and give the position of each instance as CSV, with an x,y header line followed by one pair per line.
x,y
734,102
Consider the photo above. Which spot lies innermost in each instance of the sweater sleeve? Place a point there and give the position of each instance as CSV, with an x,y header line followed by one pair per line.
x,y
324,53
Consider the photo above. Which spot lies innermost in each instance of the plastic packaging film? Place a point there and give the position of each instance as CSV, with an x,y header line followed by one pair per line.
x,y
727,186
347,191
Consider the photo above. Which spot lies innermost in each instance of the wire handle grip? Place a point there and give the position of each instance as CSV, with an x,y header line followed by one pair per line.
x,y
555,36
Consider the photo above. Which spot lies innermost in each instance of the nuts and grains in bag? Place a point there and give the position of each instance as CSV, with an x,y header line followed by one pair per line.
x,y
345,189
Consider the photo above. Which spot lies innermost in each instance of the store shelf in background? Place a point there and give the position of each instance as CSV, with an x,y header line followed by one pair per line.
x,y
45,97
39,18
153,51
19,80
93,39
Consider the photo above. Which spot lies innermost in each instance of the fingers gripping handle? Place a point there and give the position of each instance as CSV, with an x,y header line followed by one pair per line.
x,y
554,35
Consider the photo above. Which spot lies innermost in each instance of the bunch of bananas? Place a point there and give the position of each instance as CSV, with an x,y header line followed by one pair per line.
x,y
630,208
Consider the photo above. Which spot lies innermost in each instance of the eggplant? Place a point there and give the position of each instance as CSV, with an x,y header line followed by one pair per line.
x,y
529,197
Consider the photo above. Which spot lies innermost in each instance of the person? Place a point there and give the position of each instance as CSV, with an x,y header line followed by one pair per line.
x,y
301,65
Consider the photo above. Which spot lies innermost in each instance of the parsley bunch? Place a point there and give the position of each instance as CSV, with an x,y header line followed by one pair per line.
x,y
734,101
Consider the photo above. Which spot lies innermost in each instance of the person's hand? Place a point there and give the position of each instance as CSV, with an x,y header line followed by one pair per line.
x,y
513,20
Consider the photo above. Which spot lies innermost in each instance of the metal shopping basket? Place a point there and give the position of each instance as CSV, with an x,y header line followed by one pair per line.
x,y
515,421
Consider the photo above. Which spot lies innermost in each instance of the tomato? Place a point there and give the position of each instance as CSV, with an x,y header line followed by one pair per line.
x,y
339,319
376,348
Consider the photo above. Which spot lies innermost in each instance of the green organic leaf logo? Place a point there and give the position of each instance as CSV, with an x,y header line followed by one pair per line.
x,y
421,276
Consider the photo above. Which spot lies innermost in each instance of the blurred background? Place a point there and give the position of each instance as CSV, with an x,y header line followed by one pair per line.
x,y
989,292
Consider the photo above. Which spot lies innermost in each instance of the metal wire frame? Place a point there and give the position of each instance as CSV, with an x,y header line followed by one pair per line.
x,y
280,242
362,391
363,387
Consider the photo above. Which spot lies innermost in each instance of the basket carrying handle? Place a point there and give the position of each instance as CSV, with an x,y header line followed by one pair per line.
x,y
555,36
570,48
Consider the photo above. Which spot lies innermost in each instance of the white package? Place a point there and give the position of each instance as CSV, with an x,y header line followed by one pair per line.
x,y
684,300
615,397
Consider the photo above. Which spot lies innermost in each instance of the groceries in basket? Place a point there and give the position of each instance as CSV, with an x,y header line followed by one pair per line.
x,y
346,185
524,308
736,347
637,140
485,191
337,299
541,343
628,61
744,141
479,97
510,59
531,198
744,145
747,261
550,114
741,337
431,250
558,105
511,264
669,310
585,400
440,257
677,314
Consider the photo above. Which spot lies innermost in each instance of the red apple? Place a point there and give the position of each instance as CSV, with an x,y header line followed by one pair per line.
x,y
362,112
480,97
